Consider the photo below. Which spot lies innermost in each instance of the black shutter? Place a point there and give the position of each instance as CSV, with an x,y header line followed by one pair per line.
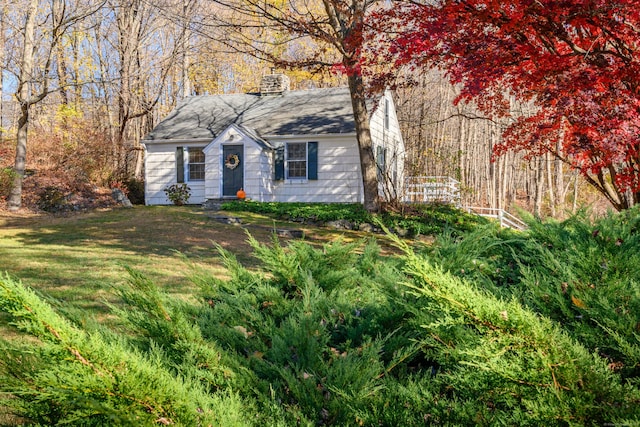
x,y
279,163
180,164
312,160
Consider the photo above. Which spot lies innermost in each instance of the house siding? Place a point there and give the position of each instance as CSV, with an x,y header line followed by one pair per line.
x,y
338,175
160,172
389,138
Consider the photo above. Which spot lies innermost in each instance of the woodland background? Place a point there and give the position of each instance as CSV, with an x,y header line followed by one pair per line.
x,y
108,71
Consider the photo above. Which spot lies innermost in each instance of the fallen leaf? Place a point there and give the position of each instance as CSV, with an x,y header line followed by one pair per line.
x,y
578,302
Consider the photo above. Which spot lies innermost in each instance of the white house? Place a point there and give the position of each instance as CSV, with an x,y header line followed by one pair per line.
x,y
277,145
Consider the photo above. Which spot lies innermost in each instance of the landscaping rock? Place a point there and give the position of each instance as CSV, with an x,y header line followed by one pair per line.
x,y
121,198
212,205
292,234
231,220
341,224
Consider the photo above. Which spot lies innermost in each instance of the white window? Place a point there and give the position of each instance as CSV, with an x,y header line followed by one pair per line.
x,y
195,164
296,160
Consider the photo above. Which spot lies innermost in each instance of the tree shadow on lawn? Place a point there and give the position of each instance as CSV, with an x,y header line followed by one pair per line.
x,y
139,232
157,231
77,257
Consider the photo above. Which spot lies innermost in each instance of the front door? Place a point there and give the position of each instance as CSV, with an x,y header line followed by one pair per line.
x,y
232,169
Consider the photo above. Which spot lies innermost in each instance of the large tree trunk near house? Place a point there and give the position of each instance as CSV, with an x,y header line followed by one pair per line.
x,y
365,145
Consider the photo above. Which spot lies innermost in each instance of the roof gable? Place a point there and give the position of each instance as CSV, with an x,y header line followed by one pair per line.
x,y
235,134
306,112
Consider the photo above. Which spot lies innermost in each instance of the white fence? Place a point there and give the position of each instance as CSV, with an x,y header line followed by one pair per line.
x,y
431,189
505,218
444,189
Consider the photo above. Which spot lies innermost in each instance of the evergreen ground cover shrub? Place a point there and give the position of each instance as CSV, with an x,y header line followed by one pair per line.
x,y
581,273
413,220
431,219
309,212
79,377
340,335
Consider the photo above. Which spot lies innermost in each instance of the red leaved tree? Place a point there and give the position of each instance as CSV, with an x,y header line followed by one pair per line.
x,y
576,61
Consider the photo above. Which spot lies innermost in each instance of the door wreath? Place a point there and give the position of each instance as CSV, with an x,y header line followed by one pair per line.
x,y
232,161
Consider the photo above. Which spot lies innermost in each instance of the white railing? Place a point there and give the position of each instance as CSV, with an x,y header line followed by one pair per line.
x,y
505,218
444,189
431,189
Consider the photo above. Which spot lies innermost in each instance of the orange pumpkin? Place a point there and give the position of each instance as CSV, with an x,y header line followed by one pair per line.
x,y
241,194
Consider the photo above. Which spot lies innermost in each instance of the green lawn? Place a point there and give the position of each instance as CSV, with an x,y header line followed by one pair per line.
x,y
76,259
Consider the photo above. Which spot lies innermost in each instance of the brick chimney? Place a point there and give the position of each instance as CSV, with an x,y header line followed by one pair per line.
x,y
274,84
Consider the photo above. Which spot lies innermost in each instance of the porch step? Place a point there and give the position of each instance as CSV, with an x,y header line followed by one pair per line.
x,y
212,204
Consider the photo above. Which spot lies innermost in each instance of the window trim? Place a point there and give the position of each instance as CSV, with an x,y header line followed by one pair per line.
x,y
281,172
188,163
288,161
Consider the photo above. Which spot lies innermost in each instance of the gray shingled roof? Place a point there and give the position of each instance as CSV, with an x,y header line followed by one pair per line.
x,y
304,112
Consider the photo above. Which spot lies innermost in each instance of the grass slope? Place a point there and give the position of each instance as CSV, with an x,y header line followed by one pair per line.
x,y
74,259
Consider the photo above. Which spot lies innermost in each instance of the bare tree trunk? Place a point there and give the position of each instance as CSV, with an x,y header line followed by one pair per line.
x,y
128,18
550,184
63,79
14,202
58,12
187,7
539,185
561,191
473,180
462,158
504,199
576,184
421,146
75,42
491,180
105,91
3,12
